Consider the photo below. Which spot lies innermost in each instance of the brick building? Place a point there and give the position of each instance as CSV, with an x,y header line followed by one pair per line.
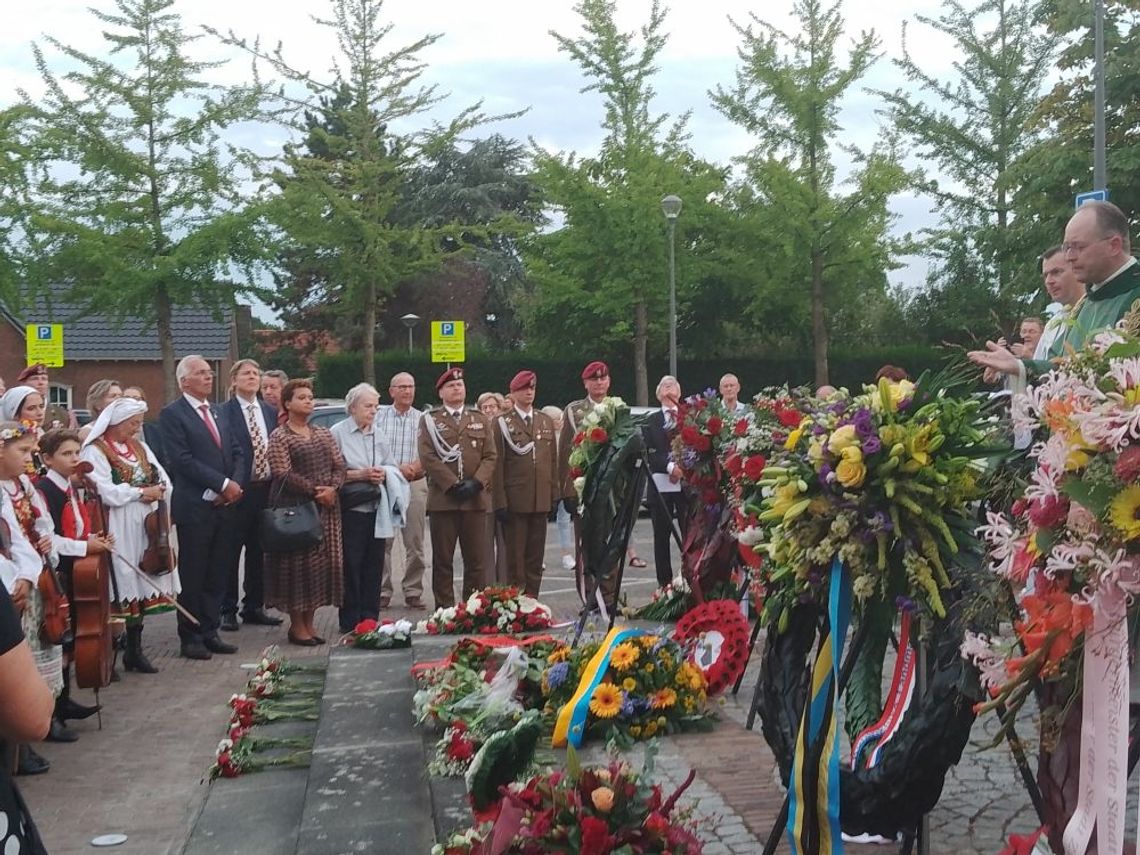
x,y
95,348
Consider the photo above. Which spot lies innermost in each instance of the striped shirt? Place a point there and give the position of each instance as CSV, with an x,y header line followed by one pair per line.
x,y
401,431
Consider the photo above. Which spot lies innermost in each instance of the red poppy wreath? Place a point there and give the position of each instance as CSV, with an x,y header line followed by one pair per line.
x,y
716,633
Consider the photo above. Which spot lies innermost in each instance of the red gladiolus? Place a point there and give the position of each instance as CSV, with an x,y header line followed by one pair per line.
x,y
596,837
754,467
365,626
1052,618
750,556
715,424
598,434
741,427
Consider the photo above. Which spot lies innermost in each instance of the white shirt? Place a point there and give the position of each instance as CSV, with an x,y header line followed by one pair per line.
x,y
208,495
26,563
527,415
1131,260
258,415
64,545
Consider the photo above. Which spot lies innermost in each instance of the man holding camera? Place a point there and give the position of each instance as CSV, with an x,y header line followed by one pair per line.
x,y
457,450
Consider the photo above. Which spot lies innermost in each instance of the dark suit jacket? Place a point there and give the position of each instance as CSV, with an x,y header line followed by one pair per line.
x,y
233,413
195,462
658,446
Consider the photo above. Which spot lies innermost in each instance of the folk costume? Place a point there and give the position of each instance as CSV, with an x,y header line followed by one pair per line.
x,y
120,472
458,454
526,486
10,404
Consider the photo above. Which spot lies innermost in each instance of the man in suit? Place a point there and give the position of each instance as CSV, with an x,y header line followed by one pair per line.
x,y
251,420
526,484
206,464
458,454
665,501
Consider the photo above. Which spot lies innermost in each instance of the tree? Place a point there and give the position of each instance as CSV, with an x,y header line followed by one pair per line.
x,y
602,278
340,190
788,93
973,127
137,201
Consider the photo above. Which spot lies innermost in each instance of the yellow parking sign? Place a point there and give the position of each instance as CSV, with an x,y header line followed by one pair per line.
x,y
447,341
45,344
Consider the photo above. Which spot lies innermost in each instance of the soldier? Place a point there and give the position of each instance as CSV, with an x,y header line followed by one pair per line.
x,y
458,455
596,379
526,484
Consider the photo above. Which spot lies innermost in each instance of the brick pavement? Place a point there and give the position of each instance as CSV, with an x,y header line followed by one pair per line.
x,y
141,775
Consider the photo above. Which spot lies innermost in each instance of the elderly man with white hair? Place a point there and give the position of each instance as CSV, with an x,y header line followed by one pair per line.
x,y
131,482
664,475
373,504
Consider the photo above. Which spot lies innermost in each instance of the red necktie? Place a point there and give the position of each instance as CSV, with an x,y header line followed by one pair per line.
x,y
205,409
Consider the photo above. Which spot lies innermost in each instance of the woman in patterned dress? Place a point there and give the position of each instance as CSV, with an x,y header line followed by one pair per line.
x,y
25,549
130,482
306,464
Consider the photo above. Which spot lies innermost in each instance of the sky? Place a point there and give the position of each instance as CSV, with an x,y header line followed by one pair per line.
x,y
500,51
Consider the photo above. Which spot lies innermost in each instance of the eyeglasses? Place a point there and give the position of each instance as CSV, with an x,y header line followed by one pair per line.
x,y
405,386
1078,248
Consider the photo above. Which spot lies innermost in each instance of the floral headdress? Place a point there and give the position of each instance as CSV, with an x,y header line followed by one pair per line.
x,y
15,432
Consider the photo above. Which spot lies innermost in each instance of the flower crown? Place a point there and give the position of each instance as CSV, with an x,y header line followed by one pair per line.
x,y
10,433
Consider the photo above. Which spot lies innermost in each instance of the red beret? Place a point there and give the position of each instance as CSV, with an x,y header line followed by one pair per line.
x,y
523,380
31,371
595,370
447,376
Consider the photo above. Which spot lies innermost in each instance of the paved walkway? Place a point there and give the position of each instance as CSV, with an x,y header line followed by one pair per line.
x,y
142,773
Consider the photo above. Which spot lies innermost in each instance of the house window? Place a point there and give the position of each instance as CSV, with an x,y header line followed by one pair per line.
x,y
59,395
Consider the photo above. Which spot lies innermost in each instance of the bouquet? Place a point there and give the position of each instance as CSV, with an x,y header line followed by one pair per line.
x,y
379,635
492,610
650,687
596,810
606,422
882,482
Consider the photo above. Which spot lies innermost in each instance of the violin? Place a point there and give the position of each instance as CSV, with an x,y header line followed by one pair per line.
x,y
91,580
158,558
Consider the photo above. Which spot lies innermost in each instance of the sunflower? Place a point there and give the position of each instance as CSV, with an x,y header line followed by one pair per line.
x,y
663,699
1124,512
606,700
625,656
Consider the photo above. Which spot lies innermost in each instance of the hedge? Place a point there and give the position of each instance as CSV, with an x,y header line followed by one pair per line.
x,y
559,379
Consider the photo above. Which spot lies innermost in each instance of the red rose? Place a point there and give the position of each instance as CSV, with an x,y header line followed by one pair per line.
x,y
702,403
715,424
579,437
365,626
596,837
1127,466
576,472
754,467
741,427
734,463
598,434
788,418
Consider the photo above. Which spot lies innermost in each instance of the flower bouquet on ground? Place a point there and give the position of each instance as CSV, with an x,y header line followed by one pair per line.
x,y
596,810
649,688
493,610
667,603
379,635
241,753
883,483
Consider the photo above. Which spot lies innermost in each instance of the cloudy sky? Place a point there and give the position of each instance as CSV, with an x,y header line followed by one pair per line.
x,y
500,51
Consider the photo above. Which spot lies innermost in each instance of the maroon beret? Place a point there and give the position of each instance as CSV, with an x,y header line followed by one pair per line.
x,y
595,370
31,371
523,380
447,376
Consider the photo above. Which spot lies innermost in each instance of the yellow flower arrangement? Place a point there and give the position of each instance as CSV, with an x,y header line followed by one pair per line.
x,y
625,656
605,702
851,471
663,699
559,654
842,438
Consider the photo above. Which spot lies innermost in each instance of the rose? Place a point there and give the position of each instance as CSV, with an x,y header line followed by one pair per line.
x,y
603,799
841,438
579,437
741,427
715,425
788,417
596,837
598,435
365,626
754,467
851,471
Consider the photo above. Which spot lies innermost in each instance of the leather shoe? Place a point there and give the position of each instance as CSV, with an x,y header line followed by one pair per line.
x,y
195,650
385,602
302,642
31,763
216,645
260,617
60,733
67,709
229,622
415,603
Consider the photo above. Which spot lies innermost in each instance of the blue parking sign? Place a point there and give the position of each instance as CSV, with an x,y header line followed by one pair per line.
x,y
43,332
447,328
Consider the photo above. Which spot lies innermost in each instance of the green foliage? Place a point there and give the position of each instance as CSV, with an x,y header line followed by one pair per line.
x,y
826,248
971,128
137,200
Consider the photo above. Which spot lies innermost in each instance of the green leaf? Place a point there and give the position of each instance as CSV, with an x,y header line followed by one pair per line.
x,y
1093,495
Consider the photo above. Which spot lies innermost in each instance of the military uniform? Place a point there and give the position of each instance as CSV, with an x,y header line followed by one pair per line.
x,y
571,423
527,486
465,450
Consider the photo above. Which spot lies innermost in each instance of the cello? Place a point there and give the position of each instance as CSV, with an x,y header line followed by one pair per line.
x,y
91,578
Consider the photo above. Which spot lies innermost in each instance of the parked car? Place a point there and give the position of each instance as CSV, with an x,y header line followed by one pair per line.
x,y
82,417
328,413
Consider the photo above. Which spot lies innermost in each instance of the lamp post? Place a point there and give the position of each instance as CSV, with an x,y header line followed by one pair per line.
x,y
671,208
1100,173
409,320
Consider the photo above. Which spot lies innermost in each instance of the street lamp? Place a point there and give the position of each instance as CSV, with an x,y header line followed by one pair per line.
x,y
671,208
410,321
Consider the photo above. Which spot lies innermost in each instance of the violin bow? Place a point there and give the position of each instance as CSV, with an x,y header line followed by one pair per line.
x,y
142,575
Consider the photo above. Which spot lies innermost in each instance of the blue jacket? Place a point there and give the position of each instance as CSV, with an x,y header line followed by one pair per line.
x,y
194,460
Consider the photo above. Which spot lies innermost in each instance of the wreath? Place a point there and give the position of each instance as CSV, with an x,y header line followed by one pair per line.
x,y
892,796
718,634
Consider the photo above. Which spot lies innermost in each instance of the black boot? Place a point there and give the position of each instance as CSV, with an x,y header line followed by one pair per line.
x,y
67,709
134,659
29,762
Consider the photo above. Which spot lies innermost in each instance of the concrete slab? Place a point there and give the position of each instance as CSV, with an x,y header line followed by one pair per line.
x,y
254,813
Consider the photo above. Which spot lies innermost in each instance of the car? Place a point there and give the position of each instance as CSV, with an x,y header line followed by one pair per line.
x,y
327,414
82,417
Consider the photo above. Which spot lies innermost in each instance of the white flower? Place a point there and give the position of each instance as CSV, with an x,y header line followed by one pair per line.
x,y
403,626
990,663
1002,540
225,745
751,536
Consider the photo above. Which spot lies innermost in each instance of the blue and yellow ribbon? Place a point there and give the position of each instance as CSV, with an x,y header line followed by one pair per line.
x,y
571,724
813,788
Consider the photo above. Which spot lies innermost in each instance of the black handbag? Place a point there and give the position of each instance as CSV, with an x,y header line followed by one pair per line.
x,y
292,528
356,493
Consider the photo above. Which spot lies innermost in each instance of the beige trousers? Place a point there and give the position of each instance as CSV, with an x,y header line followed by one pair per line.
x,y
412,565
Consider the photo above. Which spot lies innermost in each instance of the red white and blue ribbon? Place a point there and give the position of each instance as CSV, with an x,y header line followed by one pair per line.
x,y
876,736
